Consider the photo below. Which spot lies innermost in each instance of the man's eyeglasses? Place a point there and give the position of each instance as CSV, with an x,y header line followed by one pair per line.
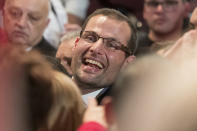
x,y
110,43
167,5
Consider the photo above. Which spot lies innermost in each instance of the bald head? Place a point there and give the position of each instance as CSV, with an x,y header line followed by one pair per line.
x,y
26,20
157,96
42,6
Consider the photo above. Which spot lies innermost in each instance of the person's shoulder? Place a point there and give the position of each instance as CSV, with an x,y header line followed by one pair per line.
x,y
143,43
143,39
45,48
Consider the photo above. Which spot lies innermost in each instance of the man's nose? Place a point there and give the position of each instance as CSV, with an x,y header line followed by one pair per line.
x,y
22,21
98,47
160,8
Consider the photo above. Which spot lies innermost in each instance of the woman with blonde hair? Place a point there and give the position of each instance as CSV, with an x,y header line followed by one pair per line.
x,y
68,107
49,100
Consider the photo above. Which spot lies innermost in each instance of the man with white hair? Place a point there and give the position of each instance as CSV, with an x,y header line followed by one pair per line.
x,y
25,22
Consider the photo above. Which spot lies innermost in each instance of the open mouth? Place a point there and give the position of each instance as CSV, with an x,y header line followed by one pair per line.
x,y
93,63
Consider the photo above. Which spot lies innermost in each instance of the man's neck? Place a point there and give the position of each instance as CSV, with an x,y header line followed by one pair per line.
x,y
85,89
159,37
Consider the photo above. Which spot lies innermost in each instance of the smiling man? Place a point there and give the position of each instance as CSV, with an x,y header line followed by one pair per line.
x,y
106,44
25,22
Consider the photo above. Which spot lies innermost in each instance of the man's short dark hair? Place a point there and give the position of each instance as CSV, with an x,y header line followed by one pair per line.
x,y
115,14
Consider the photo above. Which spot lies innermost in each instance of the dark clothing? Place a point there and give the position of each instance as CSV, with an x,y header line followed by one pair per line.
x,y
103,93
144,44
45,48
147,46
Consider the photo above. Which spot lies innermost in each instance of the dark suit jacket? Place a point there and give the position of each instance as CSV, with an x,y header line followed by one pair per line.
x,y
45,48
105,92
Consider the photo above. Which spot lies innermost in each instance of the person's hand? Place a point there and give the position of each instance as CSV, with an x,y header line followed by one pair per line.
x,y
95,113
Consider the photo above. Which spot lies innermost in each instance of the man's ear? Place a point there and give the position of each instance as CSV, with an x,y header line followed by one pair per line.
x,y
47,22
128,60
109,111
76,41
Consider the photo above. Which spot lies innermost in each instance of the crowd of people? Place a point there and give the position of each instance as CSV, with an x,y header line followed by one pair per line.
x,y
61,70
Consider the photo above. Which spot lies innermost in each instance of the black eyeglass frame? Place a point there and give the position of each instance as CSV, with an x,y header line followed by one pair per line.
x,y
121,47
165,4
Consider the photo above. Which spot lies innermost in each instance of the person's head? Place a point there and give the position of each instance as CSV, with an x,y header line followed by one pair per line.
x,y
25,21
154,93
165,17
13,102
142,76
68,107
136,76
106,43
64,52
35,74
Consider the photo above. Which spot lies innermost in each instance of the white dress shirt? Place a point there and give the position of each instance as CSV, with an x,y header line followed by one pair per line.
x,y
55,29
92,94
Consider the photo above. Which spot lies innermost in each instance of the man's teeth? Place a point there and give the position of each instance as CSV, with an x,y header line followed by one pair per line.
x,y
94,62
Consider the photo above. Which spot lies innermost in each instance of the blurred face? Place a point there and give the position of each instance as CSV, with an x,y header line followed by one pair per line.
x,y
64,53
193,19
95,62
193,4
164,16
25,20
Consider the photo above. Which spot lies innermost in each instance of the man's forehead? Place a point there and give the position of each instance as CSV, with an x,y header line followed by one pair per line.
x,y
111,27
36,6
99,22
